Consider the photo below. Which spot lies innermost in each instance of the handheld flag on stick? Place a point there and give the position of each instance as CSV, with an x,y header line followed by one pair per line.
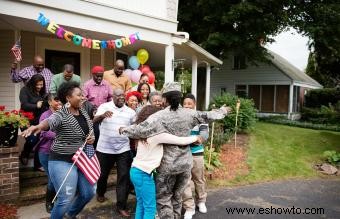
x,y
238,104
16,50
86,160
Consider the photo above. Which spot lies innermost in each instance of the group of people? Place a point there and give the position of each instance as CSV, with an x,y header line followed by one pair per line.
x,y
154,139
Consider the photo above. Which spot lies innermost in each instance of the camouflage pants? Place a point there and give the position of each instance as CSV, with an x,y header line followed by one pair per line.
x,y
169,190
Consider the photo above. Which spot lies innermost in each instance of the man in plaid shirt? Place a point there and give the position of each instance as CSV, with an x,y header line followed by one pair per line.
x,y
25,74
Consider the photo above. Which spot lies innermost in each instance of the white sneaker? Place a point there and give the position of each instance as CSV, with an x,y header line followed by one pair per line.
x,y
202,208
188,214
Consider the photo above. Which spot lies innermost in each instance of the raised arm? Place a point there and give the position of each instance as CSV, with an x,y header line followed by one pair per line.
x,y
166,138
18,76
209,116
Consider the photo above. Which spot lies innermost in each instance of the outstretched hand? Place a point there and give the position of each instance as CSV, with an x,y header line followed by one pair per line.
x,y
225,109
31,130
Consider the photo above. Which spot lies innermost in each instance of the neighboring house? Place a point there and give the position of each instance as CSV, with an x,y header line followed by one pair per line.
x,y
154,20
276,88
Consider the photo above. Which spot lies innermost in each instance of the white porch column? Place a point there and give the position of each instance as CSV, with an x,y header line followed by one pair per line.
x,y
194,76
207,86
169,68
291,98
17,86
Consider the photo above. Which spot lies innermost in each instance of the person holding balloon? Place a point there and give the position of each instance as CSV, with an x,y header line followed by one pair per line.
x,y
116,78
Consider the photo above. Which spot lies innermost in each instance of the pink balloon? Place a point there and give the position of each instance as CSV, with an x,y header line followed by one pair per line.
x,y
144,68
151,76
135,75
128,72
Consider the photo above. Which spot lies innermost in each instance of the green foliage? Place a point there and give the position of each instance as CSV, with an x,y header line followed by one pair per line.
x,y
319,21
322,115
184,77
318,97
302,124
215,159
332,157
159,75
244,26
247,112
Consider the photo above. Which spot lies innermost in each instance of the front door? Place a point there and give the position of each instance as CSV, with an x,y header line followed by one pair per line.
x,y
55,60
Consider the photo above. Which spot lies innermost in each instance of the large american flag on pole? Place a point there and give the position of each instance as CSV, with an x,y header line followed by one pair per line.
x,y
86,160
16,49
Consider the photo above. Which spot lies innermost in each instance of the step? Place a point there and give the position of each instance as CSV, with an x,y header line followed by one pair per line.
x,y
36,193
29,177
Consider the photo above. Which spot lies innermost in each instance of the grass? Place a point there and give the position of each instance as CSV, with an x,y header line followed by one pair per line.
x,y
280,152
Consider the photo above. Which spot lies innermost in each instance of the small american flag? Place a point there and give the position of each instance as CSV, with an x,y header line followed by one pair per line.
x,y
16,49
86,160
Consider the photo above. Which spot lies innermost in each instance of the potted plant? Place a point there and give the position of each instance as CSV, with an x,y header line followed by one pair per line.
x,y
10,121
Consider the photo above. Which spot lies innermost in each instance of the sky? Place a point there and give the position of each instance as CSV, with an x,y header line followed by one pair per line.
x,y
291,46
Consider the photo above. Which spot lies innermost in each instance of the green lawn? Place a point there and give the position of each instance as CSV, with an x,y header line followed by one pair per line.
x,y
281,152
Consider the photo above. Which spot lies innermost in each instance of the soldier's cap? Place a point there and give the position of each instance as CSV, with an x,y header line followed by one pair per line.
x,y
171,86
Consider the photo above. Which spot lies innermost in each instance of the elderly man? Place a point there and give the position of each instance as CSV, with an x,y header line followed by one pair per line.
x,y
66,76
114,148
174,171
25,74
116,78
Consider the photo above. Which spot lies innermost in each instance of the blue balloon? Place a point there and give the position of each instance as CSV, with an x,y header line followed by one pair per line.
x,y
133,62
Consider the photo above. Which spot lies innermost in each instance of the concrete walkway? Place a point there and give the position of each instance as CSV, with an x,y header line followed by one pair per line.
x,y
317,198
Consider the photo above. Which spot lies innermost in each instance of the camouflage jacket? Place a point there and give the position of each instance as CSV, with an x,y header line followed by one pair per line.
x,y
176,159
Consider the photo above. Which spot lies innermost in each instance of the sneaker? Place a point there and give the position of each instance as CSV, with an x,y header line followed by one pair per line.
x,y
188,214
202,208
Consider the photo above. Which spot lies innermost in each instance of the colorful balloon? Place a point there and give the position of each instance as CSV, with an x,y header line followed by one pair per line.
x,y
133,62
128,72
151,76
144,68
135,75
142,56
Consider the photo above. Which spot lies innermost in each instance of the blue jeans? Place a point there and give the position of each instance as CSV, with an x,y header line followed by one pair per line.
x,y
43,158
145,193
75,193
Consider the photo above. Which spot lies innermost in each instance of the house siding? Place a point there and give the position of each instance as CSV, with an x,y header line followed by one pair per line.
x,y
262,74
7,88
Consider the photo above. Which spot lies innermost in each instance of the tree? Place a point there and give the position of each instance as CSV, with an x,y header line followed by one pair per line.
x,y
244,26
320,21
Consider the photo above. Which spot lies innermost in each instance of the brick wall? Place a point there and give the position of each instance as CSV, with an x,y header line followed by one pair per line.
x,y
9,174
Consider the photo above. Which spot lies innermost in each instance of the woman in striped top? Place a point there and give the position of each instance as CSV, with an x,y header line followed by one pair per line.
x,y
72,126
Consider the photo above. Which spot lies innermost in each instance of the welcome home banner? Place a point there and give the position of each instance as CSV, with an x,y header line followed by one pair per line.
x,y
78,40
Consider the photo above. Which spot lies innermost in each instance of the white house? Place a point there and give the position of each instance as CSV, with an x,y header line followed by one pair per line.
x,y
277,87
155,21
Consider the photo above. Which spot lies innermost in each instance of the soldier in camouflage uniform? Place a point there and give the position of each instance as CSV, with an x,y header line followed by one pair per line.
x,y
174,170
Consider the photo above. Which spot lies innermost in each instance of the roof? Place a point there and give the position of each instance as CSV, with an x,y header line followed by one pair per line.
x,y
292,72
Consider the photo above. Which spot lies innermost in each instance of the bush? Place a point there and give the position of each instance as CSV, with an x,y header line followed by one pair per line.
x,y
332,157
324,115
247,112
318,97
302,124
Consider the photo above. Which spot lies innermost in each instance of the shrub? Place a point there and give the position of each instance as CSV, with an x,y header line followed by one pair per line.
x,y
318,97
332,157
247,112
324,115
302,124
215,159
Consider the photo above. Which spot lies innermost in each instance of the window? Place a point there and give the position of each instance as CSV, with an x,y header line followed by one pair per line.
x,y
239,62
254,92
241,90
